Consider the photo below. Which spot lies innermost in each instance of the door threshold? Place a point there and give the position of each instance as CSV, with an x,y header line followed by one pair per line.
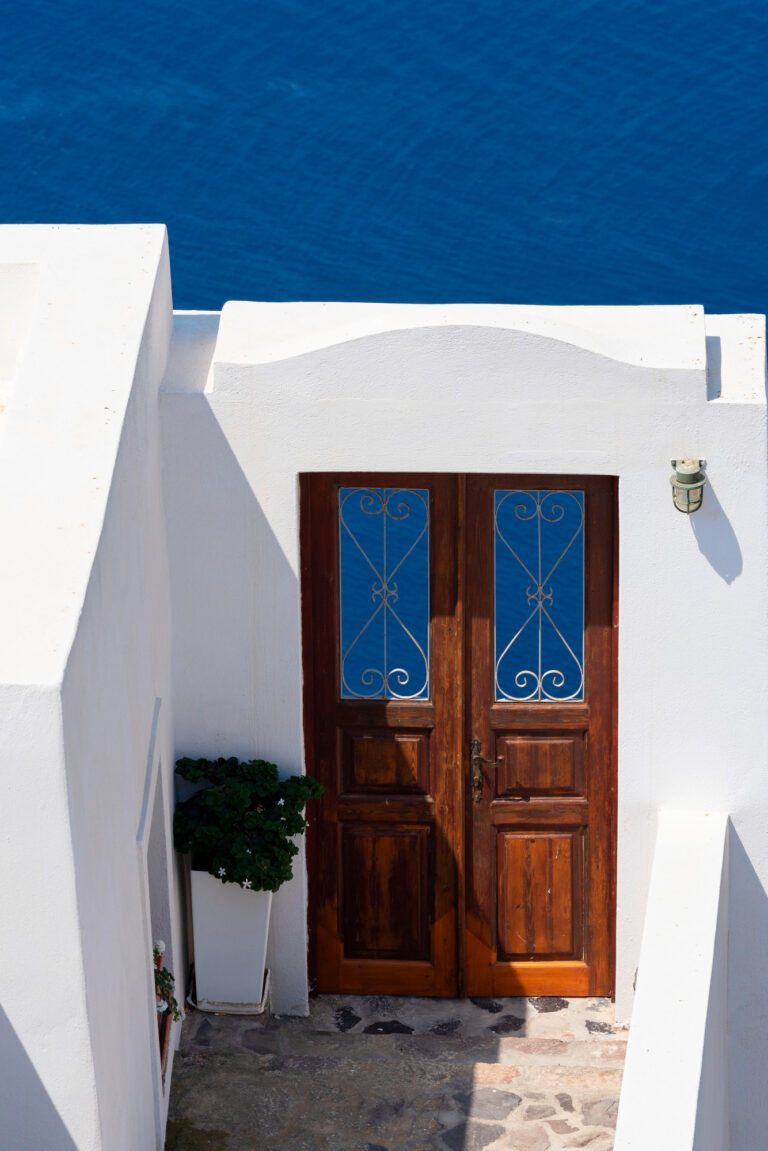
x,y
534,1017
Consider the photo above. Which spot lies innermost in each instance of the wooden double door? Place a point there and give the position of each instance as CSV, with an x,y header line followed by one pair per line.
x,y
459,659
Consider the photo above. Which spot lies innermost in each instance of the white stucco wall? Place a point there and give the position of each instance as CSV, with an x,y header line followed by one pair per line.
x,y
677,1055
95,705
84,658
594,391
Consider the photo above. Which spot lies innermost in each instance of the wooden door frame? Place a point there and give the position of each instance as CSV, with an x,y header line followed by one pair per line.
x,y
309,718
308,713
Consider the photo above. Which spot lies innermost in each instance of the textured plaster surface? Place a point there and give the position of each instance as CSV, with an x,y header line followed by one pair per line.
x,y
18,291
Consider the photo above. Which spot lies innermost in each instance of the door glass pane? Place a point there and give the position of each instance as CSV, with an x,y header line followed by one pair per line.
x,y
384,593
539,595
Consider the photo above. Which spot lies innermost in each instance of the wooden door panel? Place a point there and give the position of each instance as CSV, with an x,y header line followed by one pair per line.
x,y
394,809
538,812
391,762
539,897
567,977
539,894
383,875
540,763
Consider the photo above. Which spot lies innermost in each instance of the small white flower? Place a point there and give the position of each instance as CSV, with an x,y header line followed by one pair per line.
x,y
248,851
159,946
222,872
247,883
280,802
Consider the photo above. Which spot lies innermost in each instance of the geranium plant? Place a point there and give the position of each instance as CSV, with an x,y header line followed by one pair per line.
x,y
240,825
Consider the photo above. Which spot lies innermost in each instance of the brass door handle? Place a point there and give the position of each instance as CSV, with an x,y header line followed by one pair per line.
x,y
476,765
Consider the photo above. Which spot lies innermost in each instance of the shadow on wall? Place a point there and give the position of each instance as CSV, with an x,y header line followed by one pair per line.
x,y
747,1001
714,367
716,538
27,1114
228,572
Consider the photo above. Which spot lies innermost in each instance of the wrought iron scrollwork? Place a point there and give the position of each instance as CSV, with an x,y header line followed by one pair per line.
x,y
524,684
410,678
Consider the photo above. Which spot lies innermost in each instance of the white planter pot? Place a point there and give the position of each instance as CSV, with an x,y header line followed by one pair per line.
x,y
230,928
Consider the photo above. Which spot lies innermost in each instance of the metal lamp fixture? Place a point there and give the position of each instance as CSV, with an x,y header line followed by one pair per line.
x,y
688,484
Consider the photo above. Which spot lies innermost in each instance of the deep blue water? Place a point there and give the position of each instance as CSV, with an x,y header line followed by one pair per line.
x,y
569,152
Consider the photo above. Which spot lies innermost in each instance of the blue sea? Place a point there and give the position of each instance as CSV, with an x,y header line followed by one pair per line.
x,y
551,152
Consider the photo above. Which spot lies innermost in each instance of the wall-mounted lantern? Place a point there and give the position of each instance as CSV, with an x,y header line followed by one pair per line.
x,y
688,484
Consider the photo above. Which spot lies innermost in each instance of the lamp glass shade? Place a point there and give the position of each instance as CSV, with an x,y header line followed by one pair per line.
x,y
687,485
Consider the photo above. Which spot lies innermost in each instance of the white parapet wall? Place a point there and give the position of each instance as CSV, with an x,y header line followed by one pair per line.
x,y
675,1091
86,748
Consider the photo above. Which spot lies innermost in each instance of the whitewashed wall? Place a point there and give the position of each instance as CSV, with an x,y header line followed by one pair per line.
x,y
84,662
118,667
91,719
306,387
677,1055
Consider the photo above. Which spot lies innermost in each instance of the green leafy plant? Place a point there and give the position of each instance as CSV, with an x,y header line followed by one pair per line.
x,y
239,827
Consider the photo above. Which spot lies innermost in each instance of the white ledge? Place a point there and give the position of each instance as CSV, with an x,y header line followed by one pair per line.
x,y
736,368
670,337
674,1094
97,302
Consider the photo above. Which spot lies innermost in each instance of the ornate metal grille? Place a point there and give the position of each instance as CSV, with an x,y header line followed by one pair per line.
x,y
539,595
384,593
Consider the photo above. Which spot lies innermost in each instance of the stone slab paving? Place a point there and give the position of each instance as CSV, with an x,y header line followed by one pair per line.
x,y
384,1074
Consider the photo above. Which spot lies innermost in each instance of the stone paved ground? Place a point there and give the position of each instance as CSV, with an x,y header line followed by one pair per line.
x,y
385,1074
